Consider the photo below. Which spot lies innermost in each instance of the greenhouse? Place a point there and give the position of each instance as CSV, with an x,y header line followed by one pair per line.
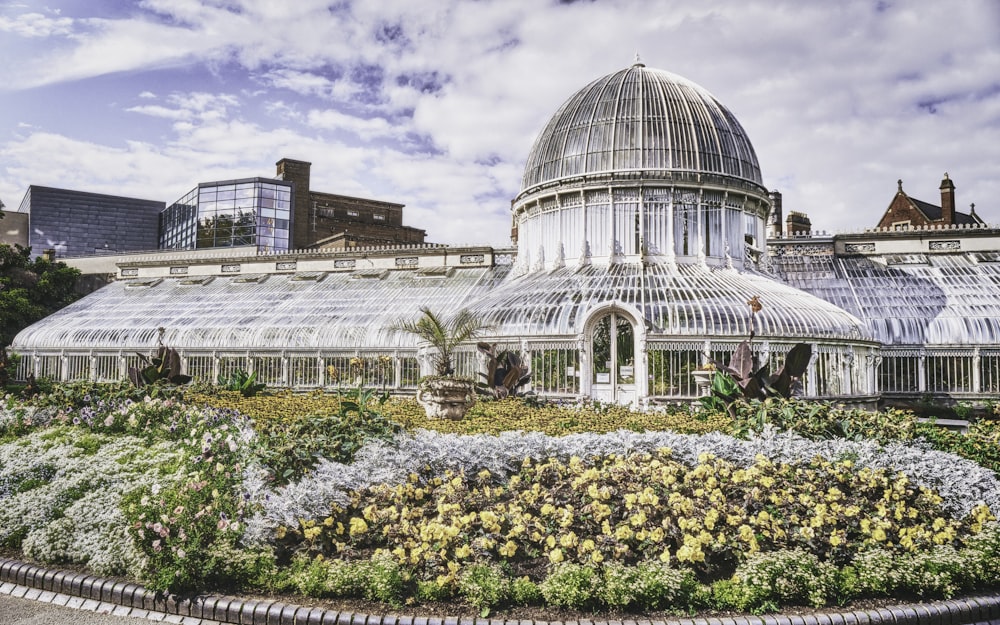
x,y
640,240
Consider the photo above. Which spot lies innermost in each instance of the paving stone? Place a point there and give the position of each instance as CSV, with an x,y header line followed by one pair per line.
x,y
90,605
60,599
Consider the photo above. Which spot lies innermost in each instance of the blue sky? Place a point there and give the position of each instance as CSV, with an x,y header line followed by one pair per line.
x,y
435,104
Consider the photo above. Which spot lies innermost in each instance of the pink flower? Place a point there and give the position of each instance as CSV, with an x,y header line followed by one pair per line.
x,y
156,545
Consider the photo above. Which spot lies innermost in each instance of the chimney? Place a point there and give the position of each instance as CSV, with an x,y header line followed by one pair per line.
x,y
947,201
798,224
774,219
297,172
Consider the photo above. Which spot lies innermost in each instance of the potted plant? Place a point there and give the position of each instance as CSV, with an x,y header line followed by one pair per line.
x,y
443,395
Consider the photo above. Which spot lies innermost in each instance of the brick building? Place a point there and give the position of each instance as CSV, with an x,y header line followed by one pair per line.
x,y
331,221
908,212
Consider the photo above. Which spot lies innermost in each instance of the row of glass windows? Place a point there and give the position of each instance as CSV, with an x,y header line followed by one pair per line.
x,y
230,215
556,368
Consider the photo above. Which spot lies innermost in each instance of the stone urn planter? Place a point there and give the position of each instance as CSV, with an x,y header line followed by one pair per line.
x,y
703,380
446,398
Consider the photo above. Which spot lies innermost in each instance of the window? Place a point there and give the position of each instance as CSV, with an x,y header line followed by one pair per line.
x,y
352,213
379,217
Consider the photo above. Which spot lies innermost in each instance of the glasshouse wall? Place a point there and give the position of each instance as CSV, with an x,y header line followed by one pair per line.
x,y
556,368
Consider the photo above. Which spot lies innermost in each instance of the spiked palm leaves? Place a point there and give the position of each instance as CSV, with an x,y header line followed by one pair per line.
x,y
444,334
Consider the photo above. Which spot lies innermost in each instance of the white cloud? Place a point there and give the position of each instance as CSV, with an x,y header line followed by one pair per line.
x,y
36,25
436,104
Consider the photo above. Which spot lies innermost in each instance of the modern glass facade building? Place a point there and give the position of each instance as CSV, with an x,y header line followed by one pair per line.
x,y
234,213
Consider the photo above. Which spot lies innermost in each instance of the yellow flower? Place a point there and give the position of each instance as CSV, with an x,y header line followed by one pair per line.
x,y
509,549
463,552
312,532
597,557
358,526
280,532
556,556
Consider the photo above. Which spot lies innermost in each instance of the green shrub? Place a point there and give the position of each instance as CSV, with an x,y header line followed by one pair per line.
x,y
821,420
646,586
308,576
484,586
240,381
291,448
523,591
570,585
431,590
382,580
981,443
766,581
939,572
983,554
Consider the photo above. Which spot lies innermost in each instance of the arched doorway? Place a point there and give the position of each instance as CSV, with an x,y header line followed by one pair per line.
x,y
613,365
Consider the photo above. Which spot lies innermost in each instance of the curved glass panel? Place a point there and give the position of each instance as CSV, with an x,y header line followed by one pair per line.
x,y
640,119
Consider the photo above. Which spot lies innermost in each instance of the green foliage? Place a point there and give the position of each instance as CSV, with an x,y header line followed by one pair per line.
x,y
444,334
484,586
505,372
523,591
570,585
291,448
242,382
426,591
941,571
981,443
766,581
743,380
647,586
377,579
163,368
178,526
822,420
31,289
76,395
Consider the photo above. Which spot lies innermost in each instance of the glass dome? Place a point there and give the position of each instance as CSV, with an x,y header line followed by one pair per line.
x,y
640,119
640,164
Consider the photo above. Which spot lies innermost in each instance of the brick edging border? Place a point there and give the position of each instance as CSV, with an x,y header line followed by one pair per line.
x,y
979,609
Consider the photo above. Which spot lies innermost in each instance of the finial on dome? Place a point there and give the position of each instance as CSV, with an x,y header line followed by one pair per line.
x,y
638,62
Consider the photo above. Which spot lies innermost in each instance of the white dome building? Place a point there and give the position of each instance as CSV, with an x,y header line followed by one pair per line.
x,y
640,231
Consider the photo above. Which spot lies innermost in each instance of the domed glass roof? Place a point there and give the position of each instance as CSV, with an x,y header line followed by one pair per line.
x,y
641,119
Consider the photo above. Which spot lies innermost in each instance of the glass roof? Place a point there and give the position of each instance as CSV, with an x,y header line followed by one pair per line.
x,y
354,310
676,300
306,310
907,299
641,119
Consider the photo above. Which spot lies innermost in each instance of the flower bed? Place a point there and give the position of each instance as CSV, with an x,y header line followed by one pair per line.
x,y
180,496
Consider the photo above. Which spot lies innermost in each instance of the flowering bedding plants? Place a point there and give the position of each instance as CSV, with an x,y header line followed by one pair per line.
x,y
175,495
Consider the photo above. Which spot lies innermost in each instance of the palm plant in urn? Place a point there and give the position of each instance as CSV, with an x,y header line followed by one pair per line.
x,y
442,395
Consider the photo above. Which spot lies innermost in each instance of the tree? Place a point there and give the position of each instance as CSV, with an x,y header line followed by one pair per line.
x,y
31,289
444,334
